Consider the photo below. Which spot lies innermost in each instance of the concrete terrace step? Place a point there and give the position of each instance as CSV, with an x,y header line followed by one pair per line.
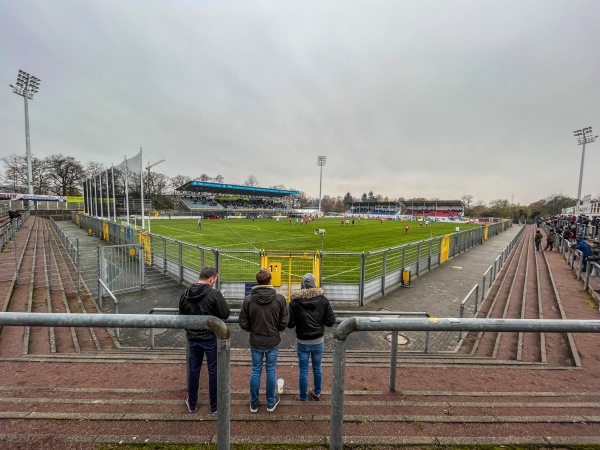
x,y
159,415
286,358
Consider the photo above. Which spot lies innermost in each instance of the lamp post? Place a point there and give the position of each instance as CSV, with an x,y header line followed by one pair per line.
x,y
321,162
27,86
584,136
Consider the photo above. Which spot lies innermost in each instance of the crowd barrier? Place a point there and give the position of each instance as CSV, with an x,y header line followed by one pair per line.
x,y
348,326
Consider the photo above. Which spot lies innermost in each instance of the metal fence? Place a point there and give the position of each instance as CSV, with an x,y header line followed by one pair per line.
x,y
369,324
348,326
344,276
12,241
473,300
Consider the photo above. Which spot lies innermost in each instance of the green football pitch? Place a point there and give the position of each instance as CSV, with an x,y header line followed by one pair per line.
x,y
268,234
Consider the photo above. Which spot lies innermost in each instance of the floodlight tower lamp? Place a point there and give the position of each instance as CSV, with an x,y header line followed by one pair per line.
x,y
27,85
321,160
584,136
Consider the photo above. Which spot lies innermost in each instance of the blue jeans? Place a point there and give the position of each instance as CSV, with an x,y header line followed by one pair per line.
x,y
270,357
196,352
315,353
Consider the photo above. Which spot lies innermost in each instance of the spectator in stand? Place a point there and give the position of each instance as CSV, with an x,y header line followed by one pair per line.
x,y
585,252
550,239
310,313
202,300
264,314
537,239
567,233
594,223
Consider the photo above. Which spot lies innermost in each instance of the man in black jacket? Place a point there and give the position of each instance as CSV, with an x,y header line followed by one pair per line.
x,y
264,314
201,299
310,313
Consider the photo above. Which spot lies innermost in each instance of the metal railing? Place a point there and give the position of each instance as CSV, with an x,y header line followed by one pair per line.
x,y
478,293
351,325
72,249
234,318
341,334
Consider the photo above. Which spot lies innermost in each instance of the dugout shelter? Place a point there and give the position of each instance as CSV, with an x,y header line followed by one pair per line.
x,y
221,200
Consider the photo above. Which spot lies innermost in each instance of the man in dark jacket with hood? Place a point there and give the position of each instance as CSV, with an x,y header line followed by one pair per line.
x,y
201,299
264,314
310,313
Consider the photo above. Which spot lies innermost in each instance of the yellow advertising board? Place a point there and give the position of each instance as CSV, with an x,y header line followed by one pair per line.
x,y
74,199
445,249
145,240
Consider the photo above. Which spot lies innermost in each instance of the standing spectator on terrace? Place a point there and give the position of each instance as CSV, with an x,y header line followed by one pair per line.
x,y
310,313
550,239
585,252
202,300
537,240
264,314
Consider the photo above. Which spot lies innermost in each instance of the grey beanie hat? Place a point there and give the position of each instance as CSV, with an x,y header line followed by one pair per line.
x,y
308,281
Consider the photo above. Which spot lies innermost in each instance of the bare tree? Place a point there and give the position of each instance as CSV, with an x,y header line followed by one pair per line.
x,y
15,173
251,181
66,174
177,181
466,199
219,179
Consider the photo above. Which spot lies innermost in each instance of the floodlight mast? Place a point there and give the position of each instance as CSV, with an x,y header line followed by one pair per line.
x,y
27,86
584,136
321,160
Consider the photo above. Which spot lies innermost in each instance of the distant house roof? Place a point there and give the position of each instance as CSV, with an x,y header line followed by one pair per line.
x,y
220,188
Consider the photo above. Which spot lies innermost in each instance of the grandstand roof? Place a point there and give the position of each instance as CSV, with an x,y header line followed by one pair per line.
x,y
220,188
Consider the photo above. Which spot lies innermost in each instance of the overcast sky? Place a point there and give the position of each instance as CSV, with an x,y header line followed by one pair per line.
x,y
422,98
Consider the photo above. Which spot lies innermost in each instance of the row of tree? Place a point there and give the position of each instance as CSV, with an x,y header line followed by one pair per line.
x,y
64,175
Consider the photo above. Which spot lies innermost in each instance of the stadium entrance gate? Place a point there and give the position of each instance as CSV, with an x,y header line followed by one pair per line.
x,y
121,268
288,267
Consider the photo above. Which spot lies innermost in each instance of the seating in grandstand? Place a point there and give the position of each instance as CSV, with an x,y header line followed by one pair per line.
x,y
193,202
197,202
433,213
376,209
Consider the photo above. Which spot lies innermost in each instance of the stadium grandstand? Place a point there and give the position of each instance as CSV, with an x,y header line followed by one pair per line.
x,y
435,209
206,199
379,210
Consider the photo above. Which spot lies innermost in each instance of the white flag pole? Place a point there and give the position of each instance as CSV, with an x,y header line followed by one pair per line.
x,y
127,193
142,188
112,170
107,196
101,195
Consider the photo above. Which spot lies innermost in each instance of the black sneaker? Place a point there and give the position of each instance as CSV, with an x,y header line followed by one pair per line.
x,y
313,397
274,405
213,411
192,407
253,407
